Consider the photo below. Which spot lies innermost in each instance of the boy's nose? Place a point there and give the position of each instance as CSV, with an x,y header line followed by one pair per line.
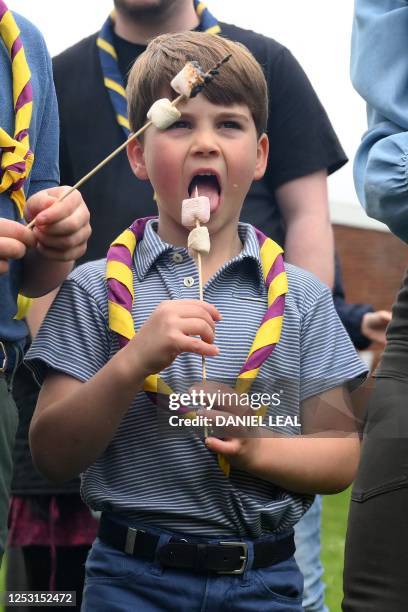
x,y
204,144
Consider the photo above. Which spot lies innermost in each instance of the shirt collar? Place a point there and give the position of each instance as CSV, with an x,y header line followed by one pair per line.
x,y
152,247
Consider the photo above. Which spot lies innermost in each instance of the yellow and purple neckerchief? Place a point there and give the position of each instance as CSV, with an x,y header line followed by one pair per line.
x,y
112,76
119,275
16,158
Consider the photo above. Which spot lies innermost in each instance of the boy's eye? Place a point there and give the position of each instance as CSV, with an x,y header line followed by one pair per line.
x,y
180,125
231,125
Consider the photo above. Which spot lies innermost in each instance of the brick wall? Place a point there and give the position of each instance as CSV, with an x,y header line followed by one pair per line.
x,y
373,264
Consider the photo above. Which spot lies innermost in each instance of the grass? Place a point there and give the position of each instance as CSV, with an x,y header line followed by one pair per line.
x,y
334,523
2,580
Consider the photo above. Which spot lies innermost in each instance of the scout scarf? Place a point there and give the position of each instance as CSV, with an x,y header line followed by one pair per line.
x,y
119,277
16,159
112,76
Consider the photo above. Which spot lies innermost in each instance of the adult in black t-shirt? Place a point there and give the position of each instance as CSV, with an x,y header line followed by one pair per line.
x,y
289,204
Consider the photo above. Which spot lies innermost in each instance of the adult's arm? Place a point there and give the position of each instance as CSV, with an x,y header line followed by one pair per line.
x,y
309,235
304,149
45,267
379,72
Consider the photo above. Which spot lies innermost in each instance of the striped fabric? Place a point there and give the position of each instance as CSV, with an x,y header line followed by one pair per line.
x,y
16,159
121,296
161,476
112,76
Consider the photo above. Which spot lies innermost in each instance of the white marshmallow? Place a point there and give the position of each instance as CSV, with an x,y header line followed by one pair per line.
x,y
198,241
162,114
193,209
187,79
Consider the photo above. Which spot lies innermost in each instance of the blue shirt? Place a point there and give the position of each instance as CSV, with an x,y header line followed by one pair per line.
x,y
44,137
159,476
379,71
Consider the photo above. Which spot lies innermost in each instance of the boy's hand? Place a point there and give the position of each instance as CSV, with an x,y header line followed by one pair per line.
x,y
14,240
238,443
62,228
171,329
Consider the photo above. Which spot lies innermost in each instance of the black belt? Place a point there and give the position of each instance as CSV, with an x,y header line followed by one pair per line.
x,y
223,557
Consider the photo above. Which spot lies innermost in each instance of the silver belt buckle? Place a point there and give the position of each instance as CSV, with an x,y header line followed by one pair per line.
x,y
131,539
3,358
243,557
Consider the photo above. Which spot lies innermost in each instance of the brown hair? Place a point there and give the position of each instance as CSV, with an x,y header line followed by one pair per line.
x,y
240,80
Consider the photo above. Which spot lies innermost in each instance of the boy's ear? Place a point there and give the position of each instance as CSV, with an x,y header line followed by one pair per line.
x,y
262,157
136,159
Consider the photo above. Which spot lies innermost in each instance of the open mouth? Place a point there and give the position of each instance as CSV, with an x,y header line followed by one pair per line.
x,y
206,184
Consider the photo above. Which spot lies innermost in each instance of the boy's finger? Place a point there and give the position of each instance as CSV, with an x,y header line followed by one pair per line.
x,y
229,447
202,307
37,203
62,235
198,327
60,209
184,305
195,311
214,312
16,231
226,424
196,345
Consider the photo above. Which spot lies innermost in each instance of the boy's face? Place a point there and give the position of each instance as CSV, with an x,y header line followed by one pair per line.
x,y
212,148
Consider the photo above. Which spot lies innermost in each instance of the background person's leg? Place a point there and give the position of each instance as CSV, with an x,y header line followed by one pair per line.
x,y
375,572
70,570
8,427
307,555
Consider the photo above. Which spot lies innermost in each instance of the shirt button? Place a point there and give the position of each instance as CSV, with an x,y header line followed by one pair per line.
x,y
188,281
177,257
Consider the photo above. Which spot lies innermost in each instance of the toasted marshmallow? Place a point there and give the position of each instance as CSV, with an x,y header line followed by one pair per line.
x,y
188,79
198,241
163,114
195,209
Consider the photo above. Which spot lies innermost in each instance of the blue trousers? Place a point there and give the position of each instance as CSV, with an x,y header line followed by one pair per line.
x,y
307,540
117,582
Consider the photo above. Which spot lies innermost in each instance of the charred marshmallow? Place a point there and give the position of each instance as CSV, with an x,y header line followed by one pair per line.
x,y
195,209
189,80
163,114
198,241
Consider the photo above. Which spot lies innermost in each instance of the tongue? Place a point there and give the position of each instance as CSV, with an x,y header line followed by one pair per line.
x,y
206,186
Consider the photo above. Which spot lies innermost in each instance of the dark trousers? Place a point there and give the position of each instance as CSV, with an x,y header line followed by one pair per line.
x,y
8,428
70,570
376,554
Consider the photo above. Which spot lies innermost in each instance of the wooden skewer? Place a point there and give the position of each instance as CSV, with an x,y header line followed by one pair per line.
x,y
107,159
201,287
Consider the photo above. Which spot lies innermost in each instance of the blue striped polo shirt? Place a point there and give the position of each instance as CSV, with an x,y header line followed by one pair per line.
x,y
159,476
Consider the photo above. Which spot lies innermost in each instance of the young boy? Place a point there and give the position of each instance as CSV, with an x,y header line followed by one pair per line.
x,y
177,533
